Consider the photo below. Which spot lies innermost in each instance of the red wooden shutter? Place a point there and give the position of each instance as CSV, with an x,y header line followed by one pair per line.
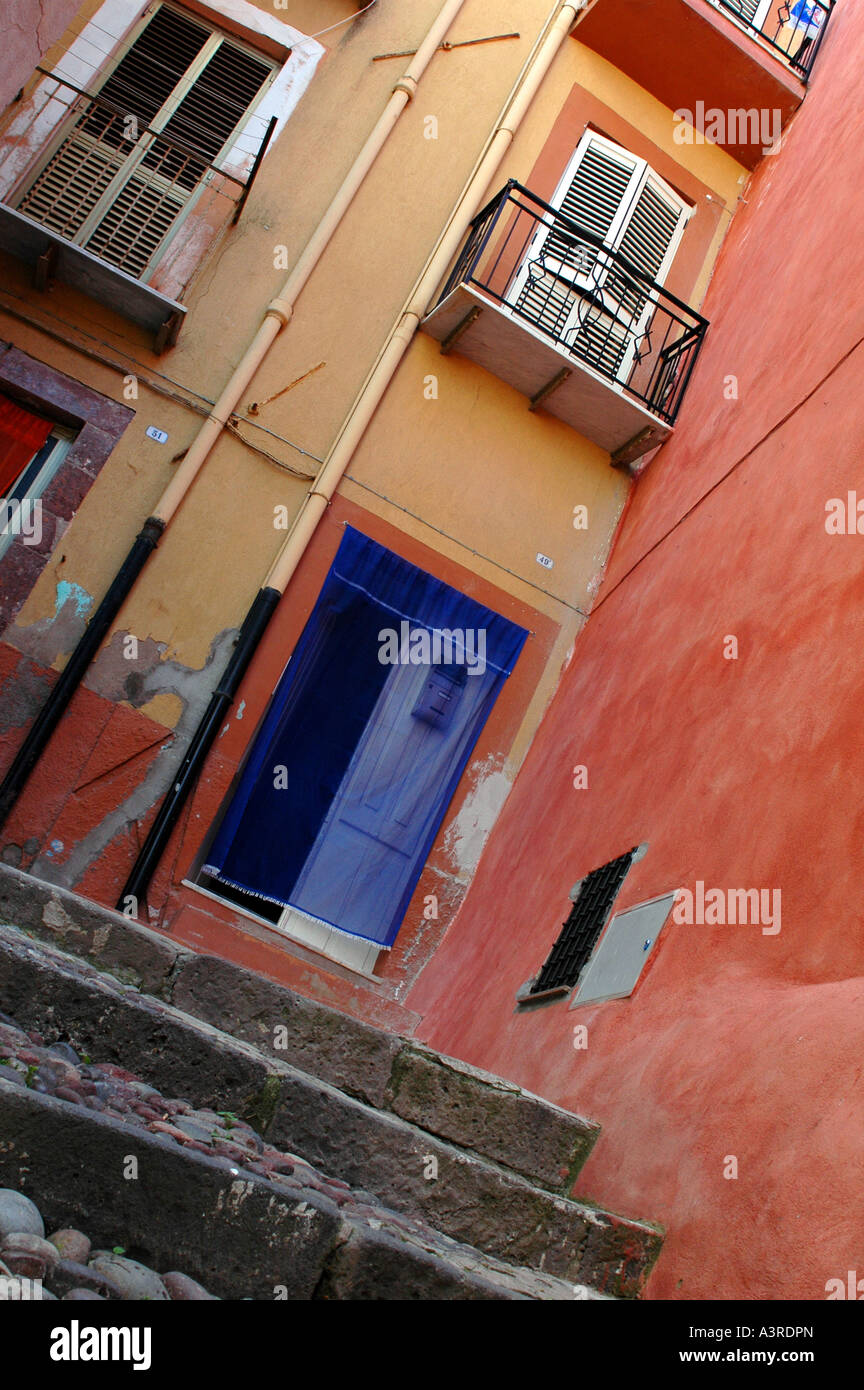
x,y
21,436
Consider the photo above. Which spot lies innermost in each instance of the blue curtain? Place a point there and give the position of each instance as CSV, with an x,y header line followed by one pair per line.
x,y
363,743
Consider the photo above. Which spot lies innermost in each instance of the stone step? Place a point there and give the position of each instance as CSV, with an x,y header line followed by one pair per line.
x,y
450,1099
469,1198
236,1232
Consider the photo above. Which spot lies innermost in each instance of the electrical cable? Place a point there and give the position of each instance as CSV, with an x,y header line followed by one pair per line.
x,y
145,375
329,30
463,546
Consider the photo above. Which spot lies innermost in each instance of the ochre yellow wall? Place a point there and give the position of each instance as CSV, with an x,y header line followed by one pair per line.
x,y
472,474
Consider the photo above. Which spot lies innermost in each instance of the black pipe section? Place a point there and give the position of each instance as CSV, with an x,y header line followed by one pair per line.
x,y
254,625
73,672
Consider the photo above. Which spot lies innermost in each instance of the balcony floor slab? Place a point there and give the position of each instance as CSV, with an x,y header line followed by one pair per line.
x,y
689,51
511,349
29,241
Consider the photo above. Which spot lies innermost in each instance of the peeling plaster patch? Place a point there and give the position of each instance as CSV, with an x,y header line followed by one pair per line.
x,y
593,586
48,638
450,891
119,677
193,687
23,697
468,832
55,917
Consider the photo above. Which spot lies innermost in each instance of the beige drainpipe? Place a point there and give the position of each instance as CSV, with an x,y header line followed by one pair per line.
x,y
332,470
279,310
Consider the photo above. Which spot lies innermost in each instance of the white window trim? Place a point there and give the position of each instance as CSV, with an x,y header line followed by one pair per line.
x,y
63,439
642,174
90,52
330,944
355,953
134,160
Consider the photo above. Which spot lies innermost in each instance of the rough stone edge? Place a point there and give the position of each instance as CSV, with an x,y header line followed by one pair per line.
x,y
132,953
108,991
464,1272
152,963
582,1134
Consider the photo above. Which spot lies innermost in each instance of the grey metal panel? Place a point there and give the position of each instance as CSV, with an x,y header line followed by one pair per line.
x,y
622,951
28,240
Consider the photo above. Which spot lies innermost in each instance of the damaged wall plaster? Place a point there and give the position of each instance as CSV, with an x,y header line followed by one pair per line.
x,y
117,677
151,677
469,830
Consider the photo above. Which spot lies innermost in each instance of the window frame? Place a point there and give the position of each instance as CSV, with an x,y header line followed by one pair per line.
x,y
596,279
39,473
641,175
98,422
293,926
65,128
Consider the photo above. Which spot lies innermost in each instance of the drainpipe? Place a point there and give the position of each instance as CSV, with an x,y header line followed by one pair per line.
x,y
342,451
276,316
339,457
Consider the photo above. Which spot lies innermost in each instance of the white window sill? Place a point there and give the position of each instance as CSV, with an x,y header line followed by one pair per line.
x,y
296,937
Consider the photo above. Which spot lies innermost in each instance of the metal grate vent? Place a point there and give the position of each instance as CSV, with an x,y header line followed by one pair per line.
x,y
581,932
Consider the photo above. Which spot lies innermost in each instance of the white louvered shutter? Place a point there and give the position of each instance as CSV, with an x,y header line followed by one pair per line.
x,y
572,290
594,197
118,179
591,195
756,12
746,8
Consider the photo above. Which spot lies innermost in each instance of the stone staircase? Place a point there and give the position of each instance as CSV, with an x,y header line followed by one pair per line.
x,y
481,1165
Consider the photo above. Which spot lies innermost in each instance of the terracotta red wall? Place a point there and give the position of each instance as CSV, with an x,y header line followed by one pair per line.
x,y
687,51
742,773
100,752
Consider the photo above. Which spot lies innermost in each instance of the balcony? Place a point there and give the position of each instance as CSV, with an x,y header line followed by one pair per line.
x,y
105,213
548,307
735,57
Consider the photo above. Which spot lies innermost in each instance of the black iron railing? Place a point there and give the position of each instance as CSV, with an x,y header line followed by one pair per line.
x,y
582,296
794,29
